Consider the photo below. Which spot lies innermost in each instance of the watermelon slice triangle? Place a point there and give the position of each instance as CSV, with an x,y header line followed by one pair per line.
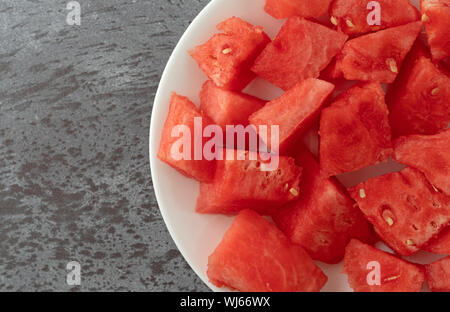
x,y
377,56
354,130
350,16
372,270
255,256
301,50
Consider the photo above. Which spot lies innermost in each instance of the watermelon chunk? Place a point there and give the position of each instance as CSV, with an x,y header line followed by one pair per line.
x,y
440,245
436,18
377,56
325,218
428,153
227,57
293,112
354,130
438,275
300,50
396,275
182,113
404,208
289,8
254,256
227,107
350,16
242,184
419,104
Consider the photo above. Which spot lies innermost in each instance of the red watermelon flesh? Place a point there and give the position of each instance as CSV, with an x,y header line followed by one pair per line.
x,y
354,130
350,16
242,184
419,104
293,112
331,72
396,275
445,65
404,208
301,50
436,18
227,57
377,56
418,50
254,256
324,218
428,153
438,275
182,112
440,245
227,107
289,8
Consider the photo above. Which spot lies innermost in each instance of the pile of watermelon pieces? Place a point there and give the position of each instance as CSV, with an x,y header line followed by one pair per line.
x,y
289,217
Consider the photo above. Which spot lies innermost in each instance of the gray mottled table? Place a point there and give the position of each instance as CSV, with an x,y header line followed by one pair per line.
x,y
75,106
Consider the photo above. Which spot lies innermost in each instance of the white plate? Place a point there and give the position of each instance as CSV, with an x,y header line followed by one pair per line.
x,y
195,235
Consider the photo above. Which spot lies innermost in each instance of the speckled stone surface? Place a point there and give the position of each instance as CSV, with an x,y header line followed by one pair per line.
x,y
75,184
